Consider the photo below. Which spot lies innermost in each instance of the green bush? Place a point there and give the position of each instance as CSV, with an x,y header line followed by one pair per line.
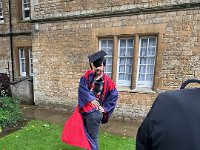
x,y
10,112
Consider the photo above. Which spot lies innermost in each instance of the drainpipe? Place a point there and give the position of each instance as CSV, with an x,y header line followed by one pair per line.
x,y
11,38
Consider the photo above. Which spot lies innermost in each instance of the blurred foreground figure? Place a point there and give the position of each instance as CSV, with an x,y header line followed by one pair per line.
x,y
173,122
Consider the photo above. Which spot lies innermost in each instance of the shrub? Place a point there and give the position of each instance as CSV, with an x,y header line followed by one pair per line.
x,y
4,85
10,112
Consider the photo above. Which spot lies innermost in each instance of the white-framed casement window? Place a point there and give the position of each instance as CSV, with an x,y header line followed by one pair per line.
x,y
22,62
26,9
125,61
25,62
30,62
1,11
131,61
146,61
107,46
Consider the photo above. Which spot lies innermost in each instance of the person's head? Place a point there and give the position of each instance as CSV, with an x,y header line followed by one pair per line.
x,y
98,61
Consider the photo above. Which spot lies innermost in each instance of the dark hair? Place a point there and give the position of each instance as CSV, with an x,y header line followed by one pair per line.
x,y
98,62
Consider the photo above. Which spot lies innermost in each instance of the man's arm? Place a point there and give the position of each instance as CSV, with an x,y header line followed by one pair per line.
x,y
109,105
84,94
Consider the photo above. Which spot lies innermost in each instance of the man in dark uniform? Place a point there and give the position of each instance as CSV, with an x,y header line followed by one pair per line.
x,y
173,123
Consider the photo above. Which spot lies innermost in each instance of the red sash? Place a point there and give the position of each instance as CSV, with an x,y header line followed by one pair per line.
x,y
73,132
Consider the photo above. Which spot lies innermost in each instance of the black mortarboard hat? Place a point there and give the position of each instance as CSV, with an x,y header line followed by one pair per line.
x,y
97,58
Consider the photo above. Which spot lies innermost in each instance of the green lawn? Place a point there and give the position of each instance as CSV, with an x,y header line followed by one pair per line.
x,y
38,135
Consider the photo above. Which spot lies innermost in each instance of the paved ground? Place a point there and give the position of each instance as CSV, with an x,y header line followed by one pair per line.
x,y
60,116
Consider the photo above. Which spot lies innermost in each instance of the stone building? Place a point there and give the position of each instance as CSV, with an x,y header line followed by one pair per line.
x,y
152,46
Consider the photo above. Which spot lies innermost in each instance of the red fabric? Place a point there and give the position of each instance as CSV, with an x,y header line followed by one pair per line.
x,y
73,132
87,107
86,75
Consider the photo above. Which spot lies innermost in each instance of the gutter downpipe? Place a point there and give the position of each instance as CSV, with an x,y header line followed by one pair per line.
x,y
11,39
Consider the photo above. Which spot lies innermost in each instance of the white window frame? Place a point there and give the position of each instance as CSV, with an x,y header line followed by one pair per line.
x,y
124,82
107,56
25,9
145,84
22,60
30,62
1,16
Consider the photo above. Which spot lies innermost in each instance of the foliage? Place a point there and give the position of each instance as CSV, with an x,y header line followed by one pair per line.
x,y
4,85
10,112
45,136
5,91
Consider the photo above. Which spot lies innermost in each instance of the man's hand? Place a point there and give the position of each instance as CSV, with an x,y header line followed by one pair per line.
x,y
101,109
95,103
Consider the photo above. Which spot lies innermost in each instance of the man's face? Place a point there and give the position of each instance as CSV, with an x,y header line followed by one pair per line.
x,y
99,69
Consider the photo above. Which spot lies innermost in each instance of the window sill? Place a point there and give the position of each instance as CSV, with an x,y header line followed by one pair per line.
x,y
142,90
22,78
24,21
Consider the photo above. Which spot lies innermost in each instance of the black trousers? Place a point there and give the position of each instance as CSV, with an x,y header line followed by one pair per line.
x,y
92,121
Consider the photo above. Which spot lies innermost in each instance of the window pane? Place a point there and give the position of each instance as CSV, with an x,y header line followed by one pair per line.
x,y
128,77
107,46
122,43
26,5
109,51
103,43
22,61
126,51
142,69
108,61
1,10
147,61
141,77
26,1
23,67
121,76
121,68
149,77
31,62
30,54
129,61
128,69
143,51
143,60
26,13
130,43
122,51
122,61
21,53
150,69
129,51
110,43
108,68
150,60
144,42
151,51
26,9
152,42
31,68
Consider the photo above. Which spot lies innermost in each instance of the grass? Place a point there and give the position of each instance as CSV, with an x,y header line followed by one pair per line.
x,y
38,135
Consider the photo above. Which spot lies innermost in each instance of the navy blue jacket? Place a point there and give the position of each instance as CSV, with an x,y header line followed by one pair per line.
x,y
173,122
